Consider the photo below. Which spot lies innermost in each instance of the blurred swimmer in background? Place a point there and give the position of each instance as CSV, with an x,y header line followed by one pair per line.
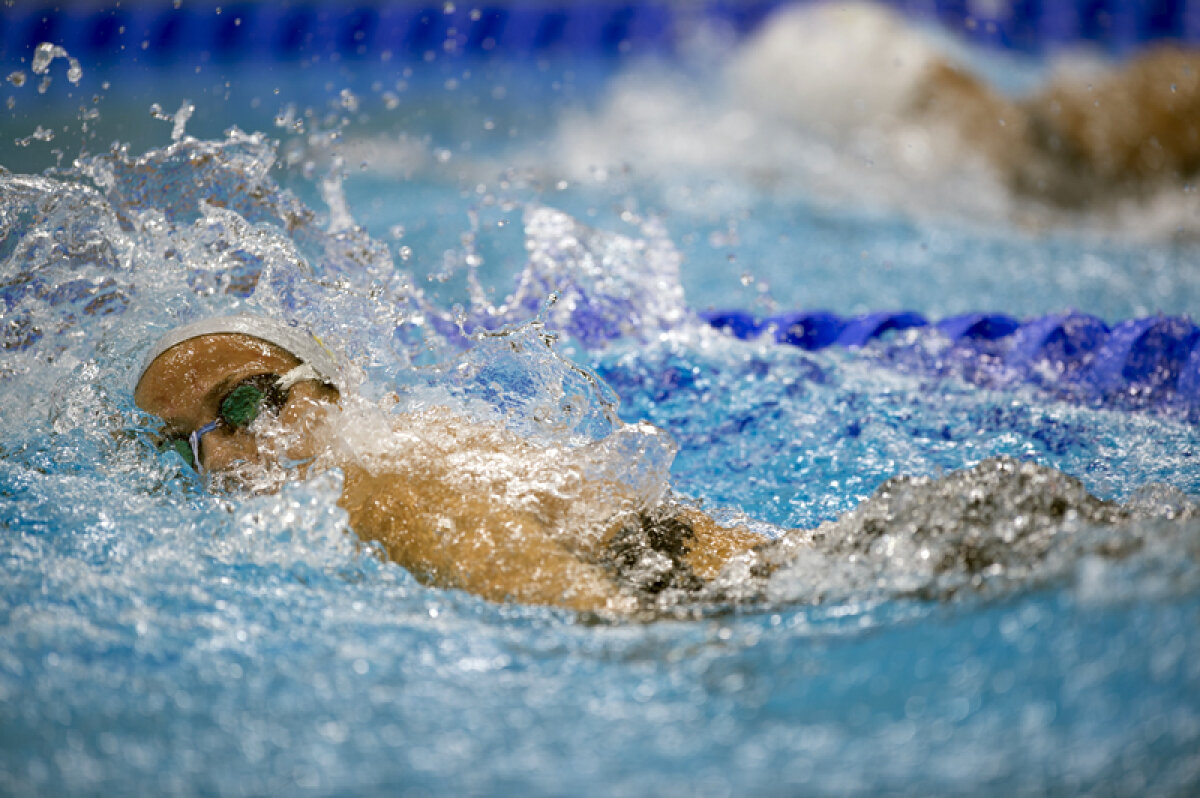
x,y
252,402
1093,133
1123,132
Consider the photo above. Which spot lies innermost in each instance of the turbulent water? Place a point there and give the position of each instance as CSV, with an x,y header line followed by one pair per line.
x,y
109,253
124,575
1026,626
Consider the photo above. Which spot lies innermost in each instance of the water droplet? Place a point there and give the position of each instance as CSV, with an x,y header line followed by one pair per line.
x,y
39,134
180,120
43,55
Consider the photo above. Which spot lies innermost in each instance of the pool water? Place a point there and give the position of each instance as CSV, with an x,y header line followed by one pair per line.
x,y
158,639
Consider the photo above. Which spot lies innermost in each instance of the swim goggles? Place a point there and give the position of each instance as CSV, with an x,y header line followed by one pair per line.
x,y
245,402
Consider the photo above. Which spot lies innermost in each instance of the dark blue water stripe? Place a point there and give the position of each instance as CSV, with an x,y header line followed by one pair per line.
x,y
159,33
1148,363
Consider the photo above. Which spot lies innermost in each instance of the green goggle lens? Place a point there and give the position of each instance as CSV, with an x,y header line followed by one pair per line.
x,y
181,447
238,410
242,404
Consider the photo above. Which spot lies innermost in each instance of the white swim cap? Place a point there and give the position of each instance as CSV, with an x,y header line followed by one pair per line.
x,y
294,339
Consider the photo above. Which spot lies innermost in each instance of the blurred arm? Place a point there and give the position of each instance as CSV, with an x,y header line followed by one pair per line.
x,y
474,543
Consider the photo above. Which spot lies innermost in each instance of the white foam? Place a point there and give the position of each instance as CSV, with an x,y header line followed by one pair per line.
x,y
829,67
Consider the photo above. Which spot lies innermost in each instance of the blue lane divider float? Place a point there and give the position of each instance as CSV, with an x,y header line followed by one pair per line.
x,y
164,32
1148,363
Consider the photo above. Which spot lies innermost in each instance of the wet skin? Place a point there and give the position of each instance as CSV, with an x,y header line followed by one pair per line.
x,y
534,552
1076,144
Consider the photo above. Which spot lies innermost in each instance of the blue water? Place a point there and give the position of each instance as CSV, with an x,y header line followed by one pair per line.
x,y
155,639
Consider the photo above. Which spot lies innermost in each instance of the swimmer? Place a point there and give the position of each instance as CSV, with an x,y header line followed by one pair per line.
x,y
1125,132
465,507
219,384
1120,131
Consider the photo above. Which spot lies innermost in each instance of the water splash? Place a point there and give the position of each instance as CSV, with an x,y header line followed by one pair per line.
x,y
180,120
1000,526
200,227
149,623
605,285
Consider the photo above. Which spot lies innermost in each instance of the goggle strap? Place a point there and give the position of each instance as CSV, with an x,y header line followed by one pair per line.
x,y
194,442
299,374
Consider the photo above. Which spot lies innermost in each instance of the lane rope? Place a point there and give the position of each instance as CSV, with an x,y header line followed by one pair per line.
x,y
1146,363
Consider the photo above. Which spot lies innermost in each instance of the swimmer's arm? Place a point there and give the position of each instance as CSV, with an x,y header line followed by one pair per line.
x,y
713,545
471,542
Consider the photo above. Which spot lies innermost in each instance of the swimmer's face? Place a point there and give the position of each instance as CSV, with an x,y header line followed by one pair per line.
x,y
186,385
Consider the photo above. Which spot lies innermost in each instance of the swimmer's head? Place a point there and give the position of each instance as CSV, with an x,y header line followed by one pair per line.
x,y
217,382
